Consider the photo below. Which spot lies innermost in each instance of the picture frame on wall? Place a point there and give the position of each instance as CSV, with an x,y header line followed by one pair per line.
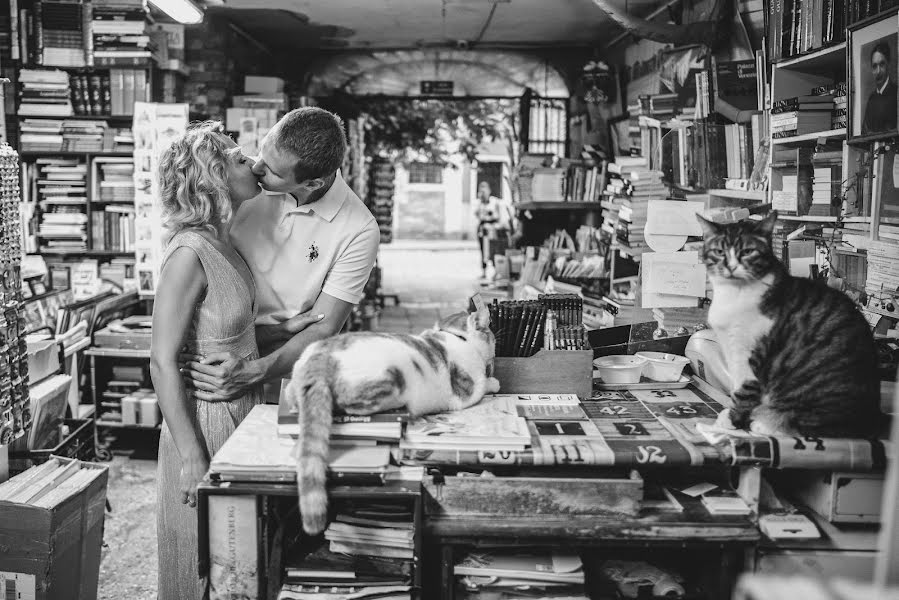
x,y
873,53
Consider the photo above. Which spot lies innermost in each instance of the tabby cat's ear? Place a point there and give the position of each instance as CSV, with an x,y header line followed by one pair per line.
x,y
709,228
483,319
766,225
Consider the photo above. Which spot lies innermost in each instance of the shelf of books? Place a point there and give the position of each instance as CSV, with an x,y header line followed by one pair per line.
x,y
753,195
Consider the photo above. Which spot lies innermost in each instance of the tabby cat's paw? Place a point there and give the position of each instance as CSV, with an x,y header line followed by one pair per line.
x,y
492,386
724,420
761,428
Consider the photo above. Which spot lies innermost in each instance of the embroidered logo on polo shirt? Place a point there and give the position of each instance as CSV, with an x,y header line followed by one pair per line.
x,y
313,252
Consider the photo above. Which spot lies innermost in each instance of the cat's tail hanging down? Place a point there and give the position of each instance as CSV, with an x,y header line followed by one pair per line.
x,y
310,389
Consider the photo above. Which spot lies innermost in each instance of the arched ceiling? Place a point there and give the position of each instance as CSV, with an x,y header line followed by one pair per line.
x,y
399,73
403,24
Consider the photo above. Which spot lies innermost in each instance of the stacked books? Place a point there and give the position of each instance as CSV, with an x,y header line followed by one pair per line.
x,y
374,530
120,37
840,112
48,485
41,135
328,575
62,195
501,575
801,115
642,185
493,424
44,93
825,185
83,136
61,33
349,430
119,139
116,180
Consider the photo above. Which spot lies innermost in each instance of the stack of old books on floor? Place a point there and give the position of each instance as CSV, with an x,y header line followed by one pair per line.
x,y
517,575
370,554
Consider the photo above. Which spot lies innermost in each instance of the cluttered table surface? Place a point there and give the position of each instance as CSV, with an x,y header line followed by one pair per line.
x,y
623,428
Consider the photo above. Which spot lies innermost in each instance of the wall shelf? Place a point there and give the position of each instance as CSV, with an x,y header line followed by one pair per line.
x,y
821,58
809,137
759,195
75,154
558,206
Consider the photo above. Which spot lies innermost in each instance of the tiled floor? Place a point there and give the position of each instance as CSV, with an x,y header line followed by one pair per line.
x,y
432,279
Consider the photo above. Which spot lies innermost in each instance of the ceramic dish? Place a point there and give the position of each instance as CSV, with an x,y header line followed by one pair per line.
x,y
620,368
644,384
662,366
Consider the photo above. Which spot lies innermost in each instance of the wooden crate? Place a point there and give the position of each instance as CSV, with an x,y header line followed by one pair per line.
x,y
533,496
547,372
57,550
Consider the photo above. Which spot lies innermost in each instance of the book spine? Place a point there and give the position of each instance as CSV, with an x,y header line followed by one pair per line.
x,y
14,29
38,33
87,31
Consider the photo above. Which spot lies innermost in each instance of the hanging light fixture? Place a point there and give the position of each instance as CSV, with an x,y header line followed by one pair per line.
x,y
183,11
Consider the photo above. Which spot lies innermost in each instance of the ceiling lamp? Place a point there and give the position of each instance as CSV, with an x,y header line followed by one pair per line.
x,y
183,11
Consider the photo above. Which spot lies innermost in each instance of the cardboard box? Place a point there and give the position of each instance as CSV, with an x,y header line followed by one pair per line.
x,y
58,549
257,84
547,372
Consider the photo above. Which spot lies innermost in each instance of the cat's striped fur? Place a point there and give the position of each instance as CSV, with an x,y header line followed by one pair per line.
x,y
442,369
801,356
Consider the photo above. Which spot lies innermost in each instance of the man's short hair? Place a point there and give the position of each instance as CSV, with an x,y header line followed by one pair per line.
x,y
883,48
316,138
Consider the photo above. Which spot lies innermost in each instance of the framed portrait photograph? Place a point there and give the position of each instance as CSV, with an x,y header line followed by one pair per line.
x,y
873,75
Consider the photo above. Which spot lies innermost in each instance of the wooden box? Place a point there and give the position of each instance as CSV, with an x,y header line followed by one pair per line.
x,y
547,372
551,497
56,550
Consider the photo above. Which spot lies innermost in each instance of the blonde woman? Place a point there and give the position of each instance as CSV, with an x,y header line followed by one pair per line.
x,y
205,301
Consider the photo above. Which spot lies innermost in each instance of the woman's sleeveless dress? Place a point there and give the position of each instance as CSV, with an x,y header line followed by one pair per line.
x,y
224,321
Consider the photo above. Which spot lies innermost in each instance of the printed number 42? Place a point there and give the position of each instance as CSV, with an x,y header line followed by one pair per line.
x,y
650,454
613,410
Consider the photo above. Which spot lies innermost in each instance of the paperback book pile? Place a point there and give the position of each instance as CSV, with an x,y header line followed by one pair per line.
x,y
327,575
44,93
374,530
83,136
493,424
117,180
41,135
62,194
645,185
512,575
839,115
348,430
801,115
120,35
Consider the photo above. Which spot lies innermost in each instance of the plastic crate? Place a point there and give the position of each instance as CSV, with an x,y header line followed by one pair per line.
x,y
78,444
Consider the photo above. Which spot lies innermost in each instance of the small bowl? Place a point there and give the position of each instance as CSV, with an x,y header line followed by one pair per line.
x,y
662,366
620,368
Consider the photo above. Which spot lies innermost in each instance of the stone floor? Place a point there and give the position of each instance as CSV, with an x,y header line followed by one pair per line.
x,y
432,280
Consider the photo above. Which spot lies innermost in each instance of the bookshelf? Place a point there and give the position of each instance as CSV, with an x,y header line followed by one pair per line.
x,y
558,206
808,138
814,59
753,195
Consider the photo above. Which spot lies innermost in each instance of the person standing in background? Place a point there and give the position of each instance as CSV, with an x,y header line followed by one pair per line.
x,y
495,220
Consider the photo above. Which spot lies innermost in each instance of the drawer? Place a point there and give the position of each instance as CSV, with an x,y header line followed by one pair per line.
x,y
471,496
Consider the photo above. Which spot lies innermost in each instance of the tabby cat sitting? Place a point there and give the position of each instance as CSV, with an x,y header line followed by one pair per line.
x,y
442,369
800,354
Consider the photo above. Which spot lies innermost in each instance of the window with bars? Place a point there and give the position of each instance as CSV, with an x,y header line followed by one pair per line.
x,y
548,129
425,173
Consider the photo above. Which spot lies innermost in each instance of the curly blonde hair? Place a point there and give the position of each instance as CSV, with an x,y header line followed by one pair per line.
x,y
193,179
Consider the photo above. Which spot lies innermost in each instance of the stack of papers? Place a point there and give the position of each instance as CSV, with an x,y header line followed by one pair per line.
x,y
493,424
552,573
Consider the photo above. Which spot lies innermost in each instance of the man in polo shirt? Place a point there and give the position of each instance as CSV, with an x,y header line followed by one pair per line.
x,y
311,244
